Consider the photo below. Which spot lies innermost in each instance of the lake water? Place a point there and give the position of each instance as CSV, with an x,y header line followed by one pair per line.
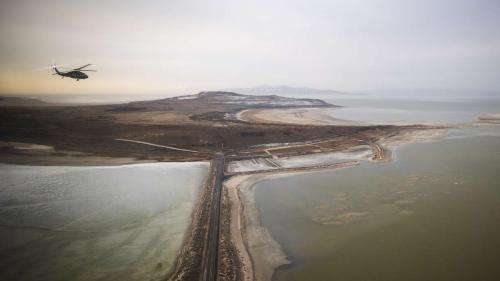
x,y
407,111
94,223
433,214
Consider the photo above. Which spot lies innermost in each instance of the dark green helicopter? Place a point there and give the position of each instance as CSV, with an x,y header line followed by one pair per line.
x,y
76,73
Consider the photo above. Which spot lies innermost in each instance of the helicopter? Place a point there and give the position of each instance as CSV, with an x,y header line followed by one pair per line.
x,y
76,73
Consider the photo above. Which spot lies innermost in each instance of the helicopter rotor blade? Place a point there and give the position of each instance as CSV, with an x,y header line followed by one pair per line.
x,y
81,67
88,70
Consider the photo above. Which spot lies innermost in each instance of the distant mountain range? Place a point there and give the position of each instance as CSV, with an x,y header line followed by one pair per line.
x,y
288,91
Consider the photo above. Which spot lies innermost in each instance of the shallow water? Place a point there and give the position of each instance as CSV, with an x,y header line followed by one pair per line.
x,y
389,110
94,223
432,214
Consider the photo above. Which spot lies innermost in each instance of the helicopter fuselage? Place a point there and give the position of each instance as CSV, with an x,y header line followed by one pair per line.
x,y
74,74
77,73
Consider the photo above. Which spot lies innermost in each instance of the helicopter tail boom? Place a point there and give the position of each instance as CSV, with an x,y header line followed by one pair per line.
x,y
55,69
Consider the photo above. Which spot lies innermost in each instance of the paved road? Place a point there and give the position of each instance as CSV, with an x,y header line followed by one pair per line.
x,y
213,231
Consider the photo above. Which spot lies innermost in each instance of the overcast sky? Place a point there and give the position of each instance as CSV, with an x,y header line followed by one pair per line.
x,y
171,47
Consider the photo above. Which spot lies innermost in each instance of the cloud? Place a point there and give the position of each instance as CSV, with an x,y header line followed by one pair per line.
x,y
168,46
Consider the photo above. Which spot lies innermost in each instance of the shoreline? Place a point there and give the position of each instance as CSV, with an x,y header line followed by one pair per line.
x,y
190,261
22,153
256,254
323,116
32,154
259,253
74,161
142,206
296,116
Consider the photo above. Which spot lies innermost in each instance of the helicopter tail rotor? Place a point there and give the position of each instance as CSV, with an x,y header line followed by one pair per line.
x,y
54,67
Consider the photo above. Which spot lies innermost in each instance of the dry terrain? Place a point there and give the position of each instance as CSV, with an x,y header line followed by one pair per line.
x,y
202,123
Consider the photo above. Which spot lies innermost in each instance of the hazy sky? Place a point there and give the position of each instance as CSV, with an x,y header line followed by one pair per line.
x,y
156,47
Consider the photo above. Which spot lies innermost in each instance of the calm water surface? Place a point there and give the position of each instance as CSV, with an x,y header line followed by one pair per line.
x,y
432,214
94,223
398,110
